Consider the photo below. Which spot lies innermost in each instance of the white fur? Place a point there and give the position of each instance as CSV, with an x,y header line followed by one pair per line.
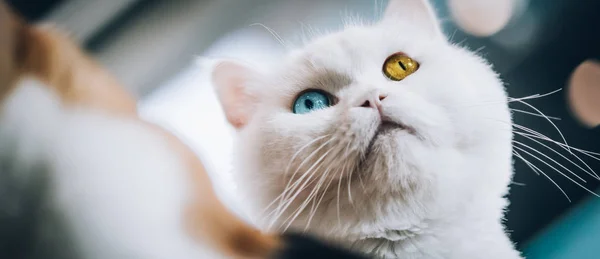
x,y
118,185
435,193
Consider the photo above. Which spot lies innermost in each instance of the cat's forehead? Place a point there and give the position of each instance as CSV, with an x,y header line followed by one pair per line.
x,y
338,51
355,48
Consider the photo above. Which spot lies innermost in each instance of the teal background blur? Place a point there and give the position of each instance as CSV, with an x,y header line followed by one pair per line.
x,y
574,236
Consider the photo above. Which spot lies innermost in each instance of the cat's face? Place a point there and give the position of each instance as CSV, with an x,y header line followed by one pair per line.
x,y
330,126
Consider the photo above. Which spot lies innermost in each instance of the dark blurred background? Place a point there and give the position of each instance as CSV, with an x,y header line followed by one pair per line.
x,y
151,43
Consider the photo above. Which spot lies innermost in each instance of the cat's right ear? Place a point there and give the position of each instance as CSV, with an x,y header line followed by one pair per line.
x,y
231,80
419,13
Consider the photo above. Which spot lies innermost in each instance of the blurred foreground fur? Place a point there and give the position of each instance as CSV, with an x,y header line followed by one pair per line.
x,y
41,61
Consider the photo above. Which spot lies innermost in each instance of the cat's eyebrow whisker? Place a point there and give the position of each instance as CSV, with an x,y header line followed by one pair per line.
x,y
552,160
307,32
538,171
554,168
273,33
534,114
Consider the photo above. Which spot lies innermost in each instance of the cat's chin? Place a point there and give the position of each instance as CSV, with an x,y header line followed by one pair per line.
x,y
386,130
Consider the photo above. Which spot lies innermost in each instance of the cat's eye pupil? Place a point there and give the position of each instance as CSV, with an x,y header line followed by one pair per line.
x,y
309,104
310,101
401,65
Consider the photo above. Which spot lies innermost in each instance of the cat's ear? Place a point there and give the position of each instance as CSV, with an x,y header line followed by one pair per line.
x,y
231,80
418,12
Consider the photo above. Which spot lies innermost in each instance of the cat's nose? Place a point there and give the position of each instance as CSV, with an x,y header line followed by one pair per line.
x,y
372,100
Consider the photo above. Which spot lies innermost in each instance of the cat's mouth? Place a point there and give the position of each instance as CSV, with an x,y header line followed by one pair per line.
x,y
386,128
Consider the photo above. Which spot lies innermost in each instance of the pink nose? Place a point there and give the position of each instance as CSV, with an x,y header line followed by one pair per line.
x,y
373,101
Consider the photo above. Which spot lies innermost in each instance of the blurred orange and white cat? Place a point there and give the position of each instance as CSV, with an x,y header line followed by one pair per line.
x,y
87,178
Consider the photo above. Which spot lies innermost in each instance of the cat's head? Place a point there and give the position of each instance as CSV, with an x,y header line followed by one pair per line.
x,y
387,122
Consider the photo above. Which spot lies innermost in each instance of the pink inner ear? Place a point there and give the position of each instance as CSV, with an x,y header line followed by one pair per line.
x,y
236,101
231,85
584,93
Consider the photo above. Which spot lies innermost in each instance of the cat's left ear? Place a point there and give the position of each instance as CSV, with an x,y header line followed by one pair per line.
x,y
416,12
231,81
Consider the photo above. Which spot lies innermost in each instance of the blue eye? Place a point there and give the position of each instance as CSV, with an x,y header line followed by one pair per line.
x,y
310,101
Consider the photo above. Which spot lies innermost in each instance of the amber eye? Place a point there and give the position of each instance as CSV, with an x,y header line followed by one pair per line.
x,y
398,66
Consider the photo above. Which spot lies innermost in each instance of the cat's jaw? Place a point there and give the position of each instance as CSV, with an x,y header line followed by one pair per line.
x,y
478,238
413,237
388,223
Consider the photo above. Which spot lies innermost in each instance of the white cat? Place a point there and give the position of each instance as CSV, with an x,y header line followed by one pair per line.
x,y
373,137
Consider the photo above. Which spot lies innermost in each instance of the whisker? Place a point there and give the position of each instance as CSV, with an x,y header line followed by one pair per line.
x,y
550,121
306,159
338,199
518,184
534,114
566,147
314,210
538,171
290,219
535,96
549,158
306,182
287,170
349,192
511,99
287,201
592,173
291,199
535,134
273,33
558,171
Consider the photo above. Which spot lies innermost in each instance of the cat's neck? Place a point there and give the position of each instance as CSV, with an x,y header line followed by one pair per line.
x,y
440,239
405,235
